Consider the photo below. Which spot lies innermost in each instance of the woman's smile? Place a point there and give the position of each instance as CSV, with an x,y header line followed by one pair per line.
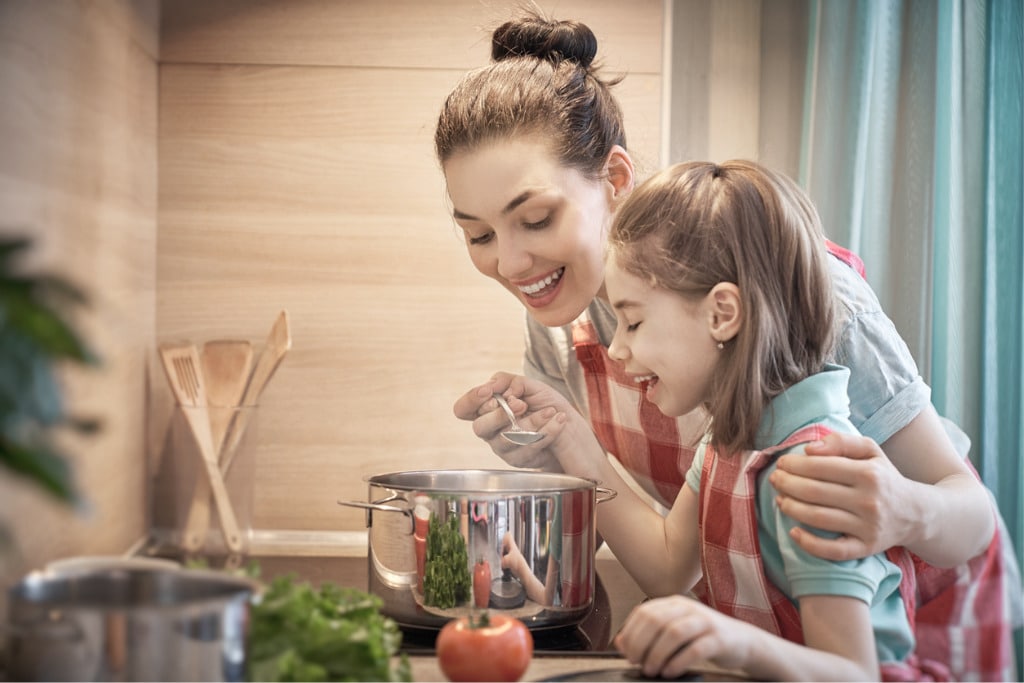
x,y
542,291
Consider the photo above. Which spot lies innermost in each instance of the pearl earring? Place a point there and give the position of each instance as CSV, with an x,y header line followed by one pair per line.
x,y
721,346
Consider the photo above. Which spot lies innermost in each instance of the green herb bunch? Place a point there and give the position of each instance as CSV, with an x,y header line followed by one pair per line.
x,y
446,578
299,633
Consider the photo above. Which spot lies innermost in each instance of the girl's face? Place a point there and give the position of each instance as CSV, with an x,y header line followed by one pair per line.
x,y
662,339
532,224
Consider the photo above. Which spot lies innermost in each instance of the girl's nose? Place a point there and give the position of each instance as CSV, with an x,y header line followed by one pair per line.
x,y
616,350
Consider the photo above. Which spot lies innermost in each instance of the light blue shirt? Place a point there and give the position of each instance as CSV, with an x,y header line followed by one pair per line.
x,y
820,399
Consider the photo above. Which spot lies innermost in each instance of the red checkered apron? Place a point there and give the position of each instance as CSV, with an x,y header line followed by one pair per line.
x,y
735,583
962,617
629,426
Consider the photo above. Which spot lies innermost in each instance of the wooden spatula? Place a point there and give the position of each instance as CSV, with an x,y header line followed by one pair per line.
x,y
183,367
279,341
227,364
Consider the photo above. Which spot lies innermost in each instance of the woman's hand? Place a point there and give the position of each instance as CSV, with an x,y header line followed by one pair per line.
x,y
918,493
537,407
849,487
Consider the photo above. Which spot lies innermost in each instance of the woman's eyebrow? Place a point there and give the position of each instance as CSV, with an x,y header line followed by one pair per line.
x,y
509,208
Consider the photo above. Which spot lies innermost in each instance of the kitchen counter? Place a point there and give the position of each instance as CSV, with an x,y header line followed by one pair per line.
x,y
577,668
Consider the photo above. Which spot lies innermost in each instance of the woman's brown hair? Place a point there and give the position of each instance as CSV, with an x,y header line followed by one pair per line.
x,y
542,81
696,224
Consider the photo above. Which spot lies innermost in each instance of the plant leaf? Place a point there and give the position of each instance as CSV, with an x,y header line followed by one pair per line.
x,y
40,464
21,312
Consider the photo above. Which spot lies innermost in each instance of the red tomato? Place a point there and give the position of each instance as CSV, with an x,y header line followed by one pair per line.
x,y
482,583
494,648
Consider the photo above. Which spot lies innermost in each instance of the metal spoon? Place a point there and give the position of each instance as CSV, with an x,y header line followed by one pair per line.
x,y
517,434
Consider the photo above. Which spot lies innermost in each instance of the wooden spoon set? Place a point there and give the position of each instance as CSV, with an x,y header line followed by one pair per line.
x,y
217,387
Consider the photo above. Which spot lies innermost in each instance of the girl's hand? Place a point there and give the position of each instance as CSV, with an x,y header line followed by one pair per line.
x,y
537,407
668,636
849,487
511,557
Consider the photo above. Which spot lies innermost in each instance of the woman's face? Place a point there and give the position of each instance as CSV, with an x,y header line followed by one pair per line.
x,y
662,339
535,226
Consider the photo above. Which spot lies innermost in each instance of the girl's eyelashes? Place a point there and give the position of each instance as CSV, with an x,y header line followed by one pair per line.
x,y
481,239
632,327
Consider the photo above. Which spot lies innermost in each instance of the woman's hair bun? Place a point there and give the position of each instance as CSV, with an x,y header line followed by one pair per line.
x,y
534,36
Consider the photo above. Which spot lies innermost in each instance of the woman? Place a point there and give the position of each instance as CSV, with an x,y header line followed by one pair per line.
x,y
534,155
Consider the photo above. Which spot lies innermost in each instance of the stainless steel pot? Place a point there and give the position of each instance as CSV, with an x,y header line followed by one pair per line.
x,y
544,522
131,623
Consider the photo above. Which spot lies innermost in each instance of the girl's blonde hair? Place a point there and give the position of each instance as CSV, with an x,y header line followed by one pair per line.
x,y
697,224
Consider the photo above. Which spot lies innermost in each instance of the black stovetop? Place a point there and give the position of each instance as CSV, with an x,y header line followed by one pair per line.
x,y
614,595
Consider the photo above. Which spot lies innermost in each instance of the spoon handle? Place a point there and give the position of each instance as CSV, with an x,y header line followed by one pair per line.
x,y
508,411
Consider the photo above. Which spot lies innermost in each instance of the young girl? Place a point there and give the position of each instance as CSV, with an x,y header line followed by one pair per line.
x,y
534,155
720,284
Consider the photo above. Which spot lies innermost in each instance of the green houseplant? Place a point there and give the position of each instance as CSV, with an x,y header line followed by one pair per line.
x,y
36,337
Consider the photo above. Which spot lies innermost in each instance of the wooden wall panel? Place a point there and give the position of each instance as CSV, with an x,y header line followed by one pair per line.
x,y
78,173
440,34
297,172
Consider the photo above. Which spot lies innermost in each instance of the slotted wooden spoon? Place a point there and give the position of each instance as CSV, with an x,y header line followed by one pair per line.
x,y
184,373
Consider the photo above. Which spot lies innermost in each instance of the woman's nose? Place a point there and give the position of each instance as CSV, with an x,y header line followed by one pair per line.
x,y
514,259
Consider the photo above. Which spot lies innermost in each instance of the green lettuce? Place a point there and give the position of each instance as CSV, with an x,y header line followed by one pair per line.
x,y
299,633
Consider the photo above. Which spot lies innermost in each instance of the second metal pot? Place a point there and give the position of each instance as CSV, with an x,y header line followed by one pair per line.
x,y
544,522
128,624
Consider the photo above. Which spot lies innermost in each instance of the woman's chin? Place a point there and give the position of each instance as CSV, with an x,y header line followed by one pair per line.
x,y
556,316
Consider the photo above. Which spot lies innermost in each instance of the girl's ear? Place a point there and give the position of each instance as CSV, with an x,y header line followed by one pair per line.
x,y
726,311
619,172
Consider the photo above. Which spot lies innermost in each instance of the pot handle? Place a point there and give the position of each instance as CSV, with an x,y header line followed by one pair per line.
x,y
605,494
380,507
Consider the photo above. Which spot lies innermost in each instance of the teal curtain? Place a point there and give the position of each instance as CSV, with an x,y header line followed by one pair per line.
x,y
913,150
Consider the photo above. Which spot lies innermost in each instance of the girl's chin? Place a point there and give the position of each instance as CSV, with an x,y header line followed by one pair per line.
x,y
658,395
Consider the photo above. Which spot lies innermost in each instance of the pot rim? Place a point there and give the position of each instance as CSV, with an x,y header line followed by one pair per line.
x,y
545,482
179,588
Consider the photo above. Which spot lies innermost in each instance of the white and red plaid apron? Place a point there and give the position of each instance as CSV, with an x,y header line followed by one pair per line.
x,y
735,583
962,616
